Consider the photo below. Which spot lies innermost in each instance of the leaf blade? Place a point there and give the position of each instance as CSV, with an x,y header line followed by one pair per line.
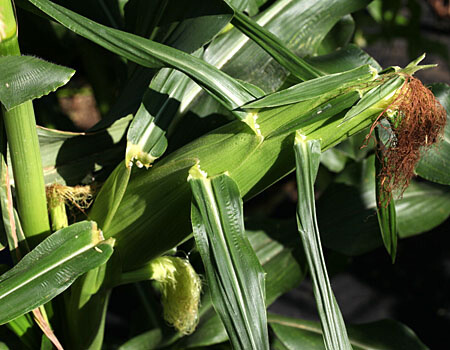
x,y
307,156
234,274
24,78
62,257
151,54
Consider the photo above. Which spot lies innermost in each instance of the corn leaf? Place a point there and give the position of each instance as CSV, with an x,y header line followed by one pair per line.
x,y
272,45
147,133
24,78
175,23
434,164
343,59
377,99
316,87
233,272
353,228
291,333
62,257
301,25
71,158
307,156
110,196
385,206
151,54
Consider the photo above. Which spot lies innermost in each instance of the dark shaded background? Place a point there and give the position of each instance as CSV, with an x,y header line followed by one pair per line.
x,y
416,289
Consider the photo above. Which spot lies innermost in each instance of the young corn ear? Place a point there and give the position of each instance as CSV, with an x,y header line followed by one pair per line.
x,y
180,288
180,291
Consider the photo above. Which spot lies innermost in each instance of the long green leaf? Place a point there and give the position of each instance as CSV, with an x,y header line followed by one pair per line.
x,y
307,156
348,210
147,133
293,334
62,257
234,274
271,44
317,87
301,25
24,78
385,205
175,23
151,54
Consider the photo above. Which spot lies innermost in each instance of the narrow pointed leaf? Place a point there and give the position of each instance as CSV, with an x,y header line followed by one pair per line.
x,y
307,156
146,136
233,272
110,196
385,206
51,267
334,83
175,23
301,25
24,78
276,48
377,99
346,58
151,54
379,335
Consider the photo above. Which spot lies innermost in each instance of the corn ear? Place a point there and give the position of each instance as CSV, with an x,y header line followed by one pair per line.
x,y
253,161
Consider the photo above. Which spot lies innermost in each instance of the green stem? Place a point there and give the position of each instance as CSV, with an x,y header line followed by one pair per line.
x,y
20,126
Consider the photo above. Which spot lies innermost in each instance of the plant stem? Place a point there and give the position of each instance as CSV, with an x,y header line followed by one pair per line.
x,y
20,126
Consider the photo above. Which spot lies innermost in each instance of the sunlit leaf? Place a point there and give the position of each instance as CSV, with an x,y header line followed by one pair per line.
x,y
234,274
24,78
62,257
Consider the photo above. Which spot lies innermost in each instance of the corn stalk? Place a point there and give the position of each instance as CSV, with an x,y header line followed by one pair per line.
x,y
20,126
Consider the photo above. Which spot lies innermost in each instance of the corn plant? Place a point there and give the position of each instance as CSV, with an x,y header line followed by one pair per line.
x,y
214,102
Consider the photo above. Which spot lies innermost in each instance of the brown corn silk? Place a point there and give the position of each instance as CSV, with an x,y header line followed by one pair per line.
x,y
417,121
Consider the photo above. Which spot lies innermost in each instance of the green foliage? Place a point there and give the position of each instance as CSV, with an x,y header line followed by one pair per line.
x,y
224,85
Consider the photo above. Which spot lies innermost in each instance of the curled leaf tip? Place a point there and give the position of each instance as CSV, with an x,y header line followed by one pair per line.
x,y
196,172
136,155
299,137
